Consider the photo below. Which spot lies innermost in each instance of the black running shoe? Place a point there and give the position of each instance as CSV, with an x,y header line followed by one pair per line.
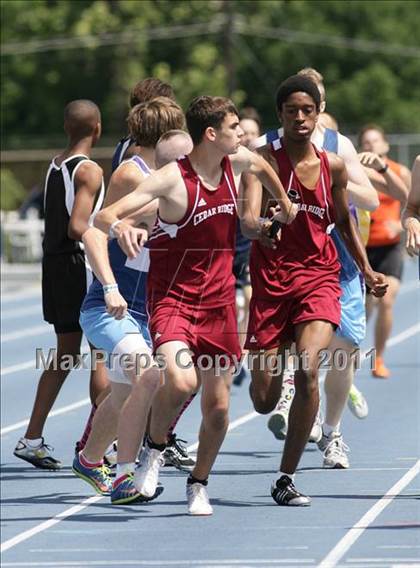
x,y
176,454
285,493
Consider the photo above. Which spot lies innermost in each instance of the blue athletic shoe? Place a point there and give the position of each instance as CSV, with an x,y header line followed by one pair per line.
x,y
97,477
124,491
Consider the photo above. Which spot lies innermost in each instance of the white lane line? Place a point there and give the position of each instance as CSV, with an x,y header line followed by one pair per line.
x,y
201,562
77,508
399,546
404,335
368,560
17,367
31,292
57,412
31,363
344,545
19,312
50,523
28,332
396,339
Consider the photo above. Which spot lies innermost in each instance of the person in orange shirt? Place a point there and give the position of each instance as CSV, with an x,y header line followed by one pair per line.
x,y
392,181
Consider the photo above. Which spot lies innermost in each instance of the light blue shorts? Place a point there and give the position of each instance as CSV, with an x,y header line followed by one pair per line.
x,y
353,316
117,338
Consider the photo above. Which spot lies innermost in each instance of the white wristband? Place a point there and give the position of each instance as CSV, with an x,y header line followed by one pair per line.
x,y
112,235
107,288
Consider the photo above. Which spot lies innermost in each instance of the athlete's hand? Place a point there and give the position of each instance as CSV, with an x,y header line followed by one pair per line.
x,y
371,160
131,239
377,283
412,244
265,239
116,306
286,216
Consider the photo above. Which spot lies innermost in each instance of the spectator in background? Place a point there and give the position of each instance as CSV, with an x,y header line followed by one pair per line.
x,y
250,123
411,215
392,181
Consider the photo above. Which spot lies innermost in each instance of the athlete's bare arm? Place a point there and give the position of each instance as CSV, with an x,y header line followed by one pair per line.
x,y
251,199
88,180
359,187
245,161
96,249
389,182
166,185
348,228
252,226
123,181
411,215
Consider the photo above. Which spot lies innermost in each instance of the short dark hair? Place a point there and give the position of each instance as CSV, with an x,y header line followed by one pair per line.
x,y
81,118
250,113
371,126
149,89
296,84
207,111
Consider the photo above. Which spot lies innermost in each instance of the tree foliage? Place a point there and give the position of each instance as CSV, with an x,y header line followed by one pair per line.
x,y
76,55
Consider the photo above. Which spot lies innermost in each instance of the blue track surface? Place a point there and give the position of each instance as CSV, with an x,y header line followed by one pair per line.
x,y
247,528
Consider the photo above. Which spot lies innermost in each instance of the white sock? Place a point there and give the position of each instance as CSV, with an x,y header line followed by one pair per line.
x,y
34,443
328,430
124,468
291,475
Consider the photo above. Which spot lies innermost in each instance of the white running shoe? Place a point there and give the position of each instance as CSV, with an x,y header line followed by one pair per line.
x,y
40,456
334,448
146,475
279,419
110,457
198,500
357,403
316,432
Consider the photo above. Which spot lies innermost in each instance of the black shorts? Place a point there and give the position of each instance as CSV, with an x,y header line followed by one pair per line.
x,y
64,284
387,259
241,268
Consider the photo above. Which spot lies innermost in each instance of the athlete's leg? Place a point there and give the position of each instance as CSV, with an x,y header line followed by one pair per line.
x,y
384,318
134,413
51,381
338,381
267,369
105,422
181,381
215,419
99,388
311,338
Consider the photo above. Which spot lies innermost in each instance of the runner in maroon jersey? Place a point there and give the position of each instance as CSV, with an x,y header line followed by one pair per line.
x,y
191,285
295,280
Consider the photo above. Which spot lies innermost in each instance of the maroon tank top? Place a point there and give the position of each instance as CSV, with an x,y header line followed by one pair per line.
x,y
306,256
191,261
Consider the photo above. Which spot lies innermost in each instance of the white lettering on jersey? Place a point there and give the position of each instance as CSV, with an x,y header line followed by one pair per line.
x,y
314,209
225,208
